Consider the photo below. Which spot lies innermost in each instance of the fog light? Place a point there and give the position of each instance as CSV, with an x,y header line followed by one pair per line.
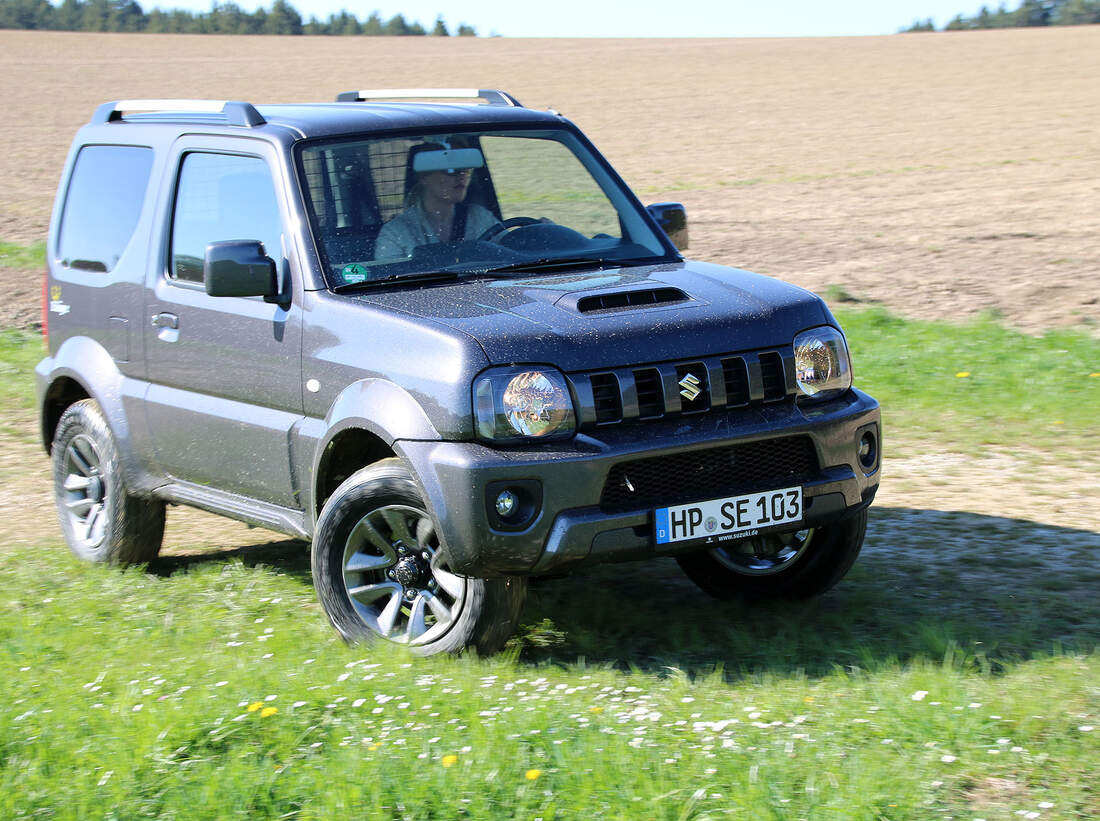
x,y
868,452
506,503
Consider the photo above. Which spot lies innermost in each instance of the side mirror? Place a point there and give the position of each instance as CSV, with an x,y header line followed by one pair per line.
x,y
673,220
239,268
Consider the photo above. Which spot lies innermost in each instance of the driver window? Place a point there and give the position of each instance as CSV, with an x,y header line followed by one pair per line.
x,y
543,179
222,197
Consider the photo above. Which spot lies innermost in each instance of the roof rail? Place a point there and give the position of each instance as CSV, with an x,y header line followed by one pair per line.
x,y
234,112
489,95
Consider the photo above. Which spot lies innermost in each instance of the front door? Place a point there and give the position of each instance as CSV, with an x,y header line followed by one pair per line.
x,y
224,373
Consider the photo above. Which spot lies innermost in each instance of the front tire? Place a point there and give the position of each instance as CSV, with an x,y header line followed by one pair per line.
x,y
379,573
102,521
779,565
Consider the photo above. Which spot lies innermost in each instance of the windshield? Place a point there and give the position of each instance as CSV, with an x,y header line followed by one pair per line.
x,y
471,202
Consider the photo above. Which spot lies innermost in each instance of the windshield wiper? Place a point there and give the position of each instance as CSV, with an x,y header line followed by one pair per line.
x,y
553,264
424,276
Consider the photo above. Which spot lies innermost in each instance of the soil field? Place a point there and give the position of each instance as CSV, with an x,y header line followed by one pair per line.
x,y
941,175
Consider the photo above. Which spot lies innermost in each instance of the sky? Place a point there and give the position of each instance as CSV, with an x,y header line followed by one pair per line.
x,y
642,18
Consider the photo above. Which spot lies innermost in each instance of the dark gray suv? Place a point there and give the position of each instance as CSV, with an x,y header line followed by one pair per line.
x,y
444,342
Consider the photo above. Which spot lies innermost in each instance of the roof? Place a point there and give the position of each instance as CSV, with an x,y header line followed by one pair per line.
x,y
328,119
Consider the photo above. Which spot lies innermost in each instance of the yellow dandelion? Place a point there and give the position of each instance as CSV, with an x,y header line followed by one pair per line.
x,y
596,709
532,775
962,374
809,699
1094,375
254,706
374,746
1059,422
449,760
268,711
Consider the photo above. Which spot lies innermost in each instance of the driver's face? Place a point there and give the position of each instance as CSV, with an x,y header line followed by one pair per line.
x,y
447,186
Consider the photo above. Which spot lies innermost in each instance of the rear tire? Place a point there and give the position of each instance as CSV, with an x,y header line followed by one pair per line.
x,y
102,521
786,565
379,573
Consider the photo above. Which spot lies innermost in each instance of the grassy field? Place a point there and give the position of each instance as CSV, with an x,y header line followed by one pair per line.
x,y
213,689
979,383
935,682
14,255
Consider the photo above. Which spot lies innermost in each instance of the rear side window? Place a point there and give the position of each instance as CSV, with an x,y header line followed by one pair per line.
x,y
106,191
222,197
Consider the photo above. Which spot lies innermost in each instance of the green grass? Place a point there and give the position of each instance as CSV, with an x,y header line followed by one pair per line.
x,y
13,255
127,695
978,383
19,353
953,675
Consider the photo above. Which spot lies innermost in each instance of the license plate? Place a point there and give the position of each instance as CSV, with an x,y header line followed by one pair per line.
x,y
735,517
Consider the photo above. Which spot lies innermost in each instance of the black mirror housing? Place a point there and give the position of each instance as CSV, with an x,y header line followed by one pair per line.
x,y
672,217
239,268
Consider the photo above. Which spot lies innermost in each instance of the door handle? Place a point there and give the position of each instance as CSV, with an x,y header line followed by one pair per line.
x,y
166,320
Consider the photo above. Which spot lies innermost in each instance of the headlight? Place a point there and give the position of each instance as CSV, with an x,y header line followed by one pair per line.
x,y
821,365
523,403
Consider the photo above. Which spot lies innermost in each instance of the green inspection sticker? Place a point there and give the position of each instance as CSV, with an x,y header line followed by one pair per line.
x,y
354,273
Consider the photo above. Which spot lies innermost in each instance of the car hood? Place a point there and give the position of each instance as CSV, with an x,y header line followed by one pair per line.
x,y
617,316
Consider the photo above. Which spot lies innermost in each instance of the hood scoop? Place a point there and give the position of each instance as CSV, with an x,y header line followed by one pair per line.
x,y
623,300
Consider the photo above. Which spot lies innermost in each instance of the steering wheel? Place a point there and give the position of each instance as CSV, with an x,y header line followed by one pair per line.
x,y
495,232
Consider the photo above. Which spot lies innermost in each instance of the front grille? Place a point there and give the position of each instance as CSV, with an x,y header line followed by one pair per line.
x,y
709,474
663,389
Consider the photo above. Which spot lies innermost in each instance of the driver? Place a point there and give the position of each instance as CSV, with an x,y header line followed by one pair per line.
x,y
435,206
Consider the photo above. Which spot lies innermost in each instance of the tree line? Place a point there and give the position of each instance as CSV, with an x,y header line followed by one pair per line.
x,y
223,18
1030,13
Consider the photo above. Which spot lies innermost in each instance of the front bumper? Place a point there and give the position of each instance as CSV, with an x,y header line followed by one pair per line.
x,y
571,520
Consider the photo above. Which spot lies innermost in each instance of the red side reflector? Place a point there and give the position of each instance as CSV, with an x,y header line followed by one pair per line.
x,y
46,309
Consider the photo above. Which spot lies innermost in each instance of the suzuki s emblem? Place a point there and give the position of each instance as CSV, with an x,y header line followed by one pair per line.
x,y
690,385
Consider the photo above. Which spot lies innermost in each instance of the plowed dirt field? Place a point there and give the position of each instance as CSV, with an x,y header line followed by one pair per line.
x,y
940,175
